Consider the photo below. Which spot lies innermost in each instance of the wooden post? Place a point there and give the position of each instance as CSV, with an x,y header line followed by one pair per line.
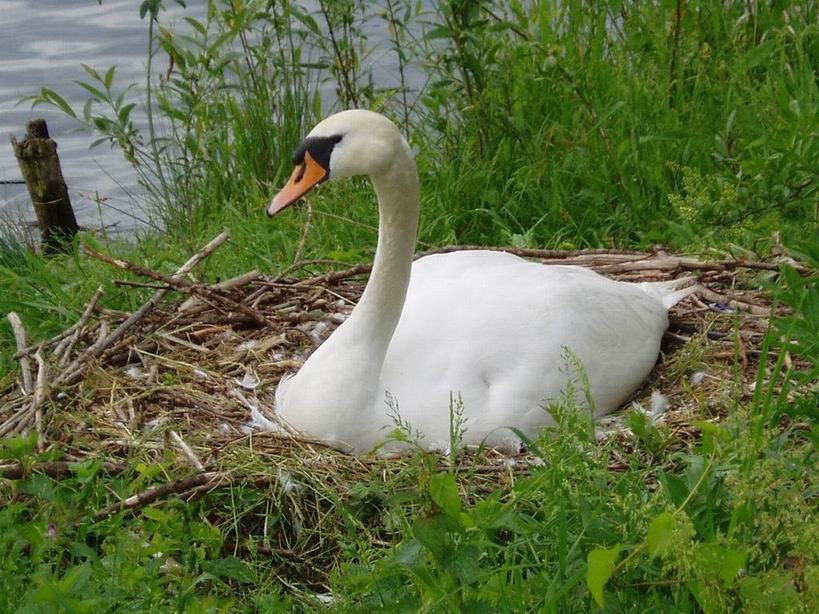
x,y
37,157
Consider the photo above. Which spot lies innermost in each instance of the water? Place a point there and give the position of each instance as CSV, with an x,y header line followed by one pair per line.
x,y
44,43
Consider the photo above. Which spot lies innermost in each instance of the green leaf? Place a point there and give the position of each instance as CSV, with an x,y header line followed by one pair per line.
x,y
76,579
196,25
86,109
91,71
155,514
431,532
230,567
18,447
756,56
125,112
58,101
98,142
724,563
464,563
409,555
149,6
97,94
39,485
83,551
31,534
437,33
601,563
660,533
772,592
675,488
443,488
306,19
109,76
712,435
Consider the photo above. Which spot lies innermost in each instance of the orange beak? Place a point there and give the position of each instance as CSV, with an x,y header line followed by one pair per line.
x,y
304,178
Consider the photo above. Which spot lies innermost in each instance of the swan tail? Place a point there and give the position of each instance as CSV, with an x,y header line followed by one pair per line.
x,y
669,293
281,391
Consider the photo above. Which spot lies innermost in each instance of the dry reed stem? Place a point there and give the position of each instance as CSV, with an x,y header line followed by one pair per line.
x,y
195,303
40,395
10,425
209,292
198,483
187,451
721,299
74,371
21,340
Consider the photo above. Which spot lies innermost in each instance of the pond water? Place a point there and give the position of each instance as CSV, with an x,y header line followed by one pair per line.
x,y
44,43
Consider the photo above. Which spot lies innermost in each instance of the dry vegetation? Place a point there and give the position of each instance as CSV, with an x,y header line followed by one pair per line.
x,y
197,374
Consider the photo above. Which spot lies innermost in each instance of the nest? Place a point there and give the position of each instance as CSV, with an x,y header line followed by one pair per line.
x,y
197,377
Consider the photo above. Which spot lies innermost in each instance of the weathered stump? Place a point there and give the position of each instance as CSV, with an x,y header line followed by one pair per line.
x,y
37,157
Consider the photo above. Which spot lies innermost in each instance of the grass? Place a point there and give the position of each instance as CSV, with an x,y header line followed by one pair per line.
x,y
691,124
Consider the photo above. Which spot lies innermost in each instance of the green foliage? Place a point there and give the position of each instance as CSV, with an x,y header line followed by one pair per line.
x,y
601,567
658,540
540,122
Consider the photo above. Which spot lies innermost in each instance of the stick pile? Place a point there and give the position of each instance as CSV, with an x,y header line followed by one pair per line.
x,y
197,374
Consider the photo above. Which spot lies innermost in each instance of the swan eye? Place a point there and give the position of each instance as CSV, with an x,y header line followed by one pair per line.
x,y
300,173
320,148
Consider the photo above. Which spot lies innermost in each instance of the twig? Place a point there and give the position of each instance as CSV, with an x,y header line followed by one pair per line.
x,y
187,451
305,263
140,284
49,342
53,469
20,339
525,252
174,339
602,260
183,286
631,260
12,424
234,282
710,295
79,325
358,269
152,494
73,372
40,395
198,484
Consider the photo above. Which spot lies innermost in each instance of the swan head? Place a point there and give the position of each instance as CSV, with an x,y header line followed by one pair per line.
x,y
346,144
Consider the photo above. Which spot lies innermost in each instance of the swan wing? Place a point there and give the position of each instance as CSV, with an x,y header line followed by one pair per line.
x,y
503,335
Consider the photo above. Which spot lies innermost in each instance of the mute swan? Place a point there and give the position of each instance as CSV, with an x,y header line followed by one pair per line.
x,y
483,325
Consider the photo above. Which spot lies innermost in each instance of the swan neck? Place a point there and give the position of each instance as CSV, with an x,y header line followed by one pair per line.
x,y
398,203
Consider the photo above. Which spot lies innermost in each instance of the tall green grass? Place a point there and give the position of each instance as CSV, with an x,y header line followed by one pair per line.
x,y
540,122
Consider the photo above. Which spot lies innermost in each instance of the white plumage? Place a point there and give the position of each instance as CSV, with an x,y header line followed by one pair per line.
x,y
487,327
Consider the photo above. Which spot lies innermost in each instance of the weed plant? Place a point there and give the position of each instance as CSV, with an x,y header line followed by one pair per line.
x,y
539,123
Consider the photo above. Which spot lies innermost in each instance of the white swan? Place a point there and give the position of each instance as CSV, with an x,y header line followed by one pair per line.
x,y
486,326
